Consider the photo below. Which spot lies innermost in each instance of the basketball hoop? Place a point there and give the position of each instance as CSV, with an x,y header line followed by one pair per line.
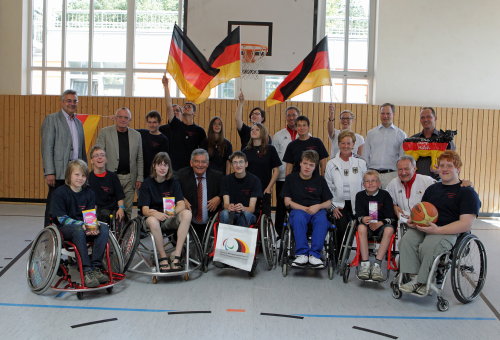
x,y
251,59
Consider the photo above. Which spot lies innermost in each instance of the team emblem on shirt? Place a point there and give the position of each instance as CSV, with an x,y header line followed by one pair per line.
x,y
355,170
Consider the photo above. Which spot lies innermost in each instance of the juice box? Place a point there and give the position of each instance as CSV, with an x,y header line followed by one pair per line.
x,y
90,219
373,211
169,206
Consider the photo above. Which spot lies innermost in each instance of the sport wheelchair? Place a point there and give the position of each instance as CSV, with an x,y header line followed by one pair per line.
x,y
51,257
141,256
287,250
344,266
266,241
468,264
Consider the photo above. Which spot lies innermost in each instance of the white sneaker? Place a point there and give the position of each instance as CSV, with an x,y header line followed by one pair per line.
x,y
300,260
376,273
315,262
364,271
422,289
410,286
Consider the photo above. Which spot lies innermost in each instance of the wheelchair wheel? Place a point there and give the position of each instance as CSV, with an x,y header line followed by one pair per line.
x,y
44,259
117,227
345,274
268,241
330,253
208,243
286,245
442,305
195,251
129,241
468,269
115,256
346,247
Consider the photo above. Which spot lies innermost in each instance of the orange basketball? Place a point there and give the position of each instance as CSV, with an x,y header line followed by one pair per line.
x,y
423,213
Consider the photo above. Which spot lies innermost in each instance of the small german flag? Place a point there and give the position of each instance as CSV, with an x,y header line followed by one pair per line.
x,y
312,72
187,65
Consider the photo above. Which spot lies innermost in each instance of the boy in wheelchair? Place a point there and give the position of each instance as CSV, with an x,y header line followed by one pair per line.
x,y
308,195
68,203
240,191
458,207
106,186
375,215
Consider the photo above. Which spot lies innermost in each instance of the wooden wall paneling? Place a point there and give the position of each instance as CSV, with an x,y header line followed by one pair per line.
x,y
21,136
482,150
3,147
10,141
486,173
495,184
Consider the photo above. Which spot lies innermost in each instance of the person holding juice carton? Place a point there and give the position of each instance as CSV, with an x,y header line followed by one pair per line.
x,y
375,215
71,202
161,202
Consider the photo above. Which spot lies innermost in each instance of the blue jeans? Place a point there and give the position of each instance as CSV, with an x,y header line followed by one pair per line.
x,y
75,234
243,218
298,221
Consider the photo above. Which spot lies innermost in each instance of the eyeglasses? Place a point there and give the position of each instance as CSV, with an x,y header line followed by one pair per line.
x,y
96,155
195,161
370,181
240,162
69,101
346,118
122,117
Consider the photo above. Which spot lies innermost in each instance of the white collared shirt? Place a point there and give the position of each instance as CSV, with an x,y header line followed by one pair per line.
x,y
383,147
74,134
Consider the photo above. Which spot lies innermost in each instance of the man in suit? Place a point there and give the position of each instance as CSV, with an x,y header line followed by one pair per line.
x,y
123,147
201,188
63,140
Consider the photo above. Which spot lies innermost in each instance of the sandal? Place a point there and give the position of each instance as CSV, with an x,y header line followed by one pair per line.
x,y
164,268
176,266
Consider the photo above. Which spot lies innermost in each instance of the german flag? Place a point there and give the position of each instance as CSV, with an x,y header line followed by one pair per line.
x,y
312,72
89,123
226,58
189,68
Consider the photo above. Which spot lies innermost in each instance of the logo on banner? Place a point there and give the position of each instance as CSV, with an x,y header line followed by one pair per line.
x,y
236,245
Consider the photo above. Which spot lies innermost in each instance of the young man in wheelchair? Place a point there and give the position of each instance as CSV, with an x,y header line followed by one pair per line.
x,y
458,207
308,197
375,215
240,191
68,203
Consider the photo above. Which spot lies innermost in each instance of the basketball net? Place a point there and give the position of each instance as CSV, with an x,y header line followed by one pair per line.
x,y
252,56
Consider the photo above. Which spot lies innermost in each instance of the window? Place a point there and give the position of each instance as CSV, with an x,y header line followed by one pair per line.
x,y
348,24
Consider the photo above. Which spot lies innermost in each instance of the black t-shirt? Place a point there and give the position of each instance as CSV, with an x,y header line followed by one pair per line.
x,y
183,139
385,206
218,162
151,145
66,202
108,190
151,193
262,165
244,134
123,153
240,190
452,201
294,151
306,192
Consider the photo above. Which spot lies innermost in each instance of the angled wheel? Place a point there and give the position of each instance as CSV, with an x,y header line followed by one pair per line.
x,y
129,241
468,269
268,241
346,246
345,274
442,305
330,252
208,243
44,259
115,256
116,226
196,258
396,293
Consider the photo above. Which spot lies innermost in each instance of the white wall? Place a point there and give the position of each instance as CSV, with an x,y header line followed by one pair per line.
x,y
438,53
12,46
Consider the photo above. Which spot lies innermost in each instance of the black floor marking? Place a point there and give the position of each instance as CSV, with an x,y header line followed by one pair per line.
x,y
283,315
490,305
192,312
93,322
11,263
375,332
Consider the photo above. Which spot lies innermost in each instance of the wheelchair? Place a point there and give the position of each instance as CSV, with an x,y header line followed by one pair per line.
x,y
266,241
141,256
287,250
51,261
467,263
351,234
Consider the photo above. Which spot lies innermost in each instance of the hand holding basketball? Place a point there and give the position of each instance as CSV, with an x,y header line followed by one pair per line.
x,y
423,213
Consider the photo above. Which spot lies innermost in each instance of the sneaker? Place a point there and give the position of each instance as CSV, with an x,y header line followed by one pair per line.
x,y
90,280
364,271
315,262
422,289
410,286
300,260
376,273
100,276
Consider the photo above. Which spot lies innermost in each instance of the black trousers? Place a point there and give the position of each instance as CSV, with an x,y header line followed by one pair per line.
x,y
280,208
47,221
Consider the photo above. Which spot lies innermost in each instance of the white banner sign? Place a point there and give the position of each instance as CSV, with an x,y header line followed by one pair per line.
x,y
236,246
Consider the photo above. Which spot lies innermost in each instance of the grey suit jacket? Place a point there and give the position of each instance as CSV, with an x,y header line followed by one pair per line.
x,y
108,140
57,144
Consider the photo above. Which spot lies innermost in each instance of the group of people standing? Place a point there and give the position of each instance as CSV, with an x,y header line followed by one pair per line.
x,y
203,175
